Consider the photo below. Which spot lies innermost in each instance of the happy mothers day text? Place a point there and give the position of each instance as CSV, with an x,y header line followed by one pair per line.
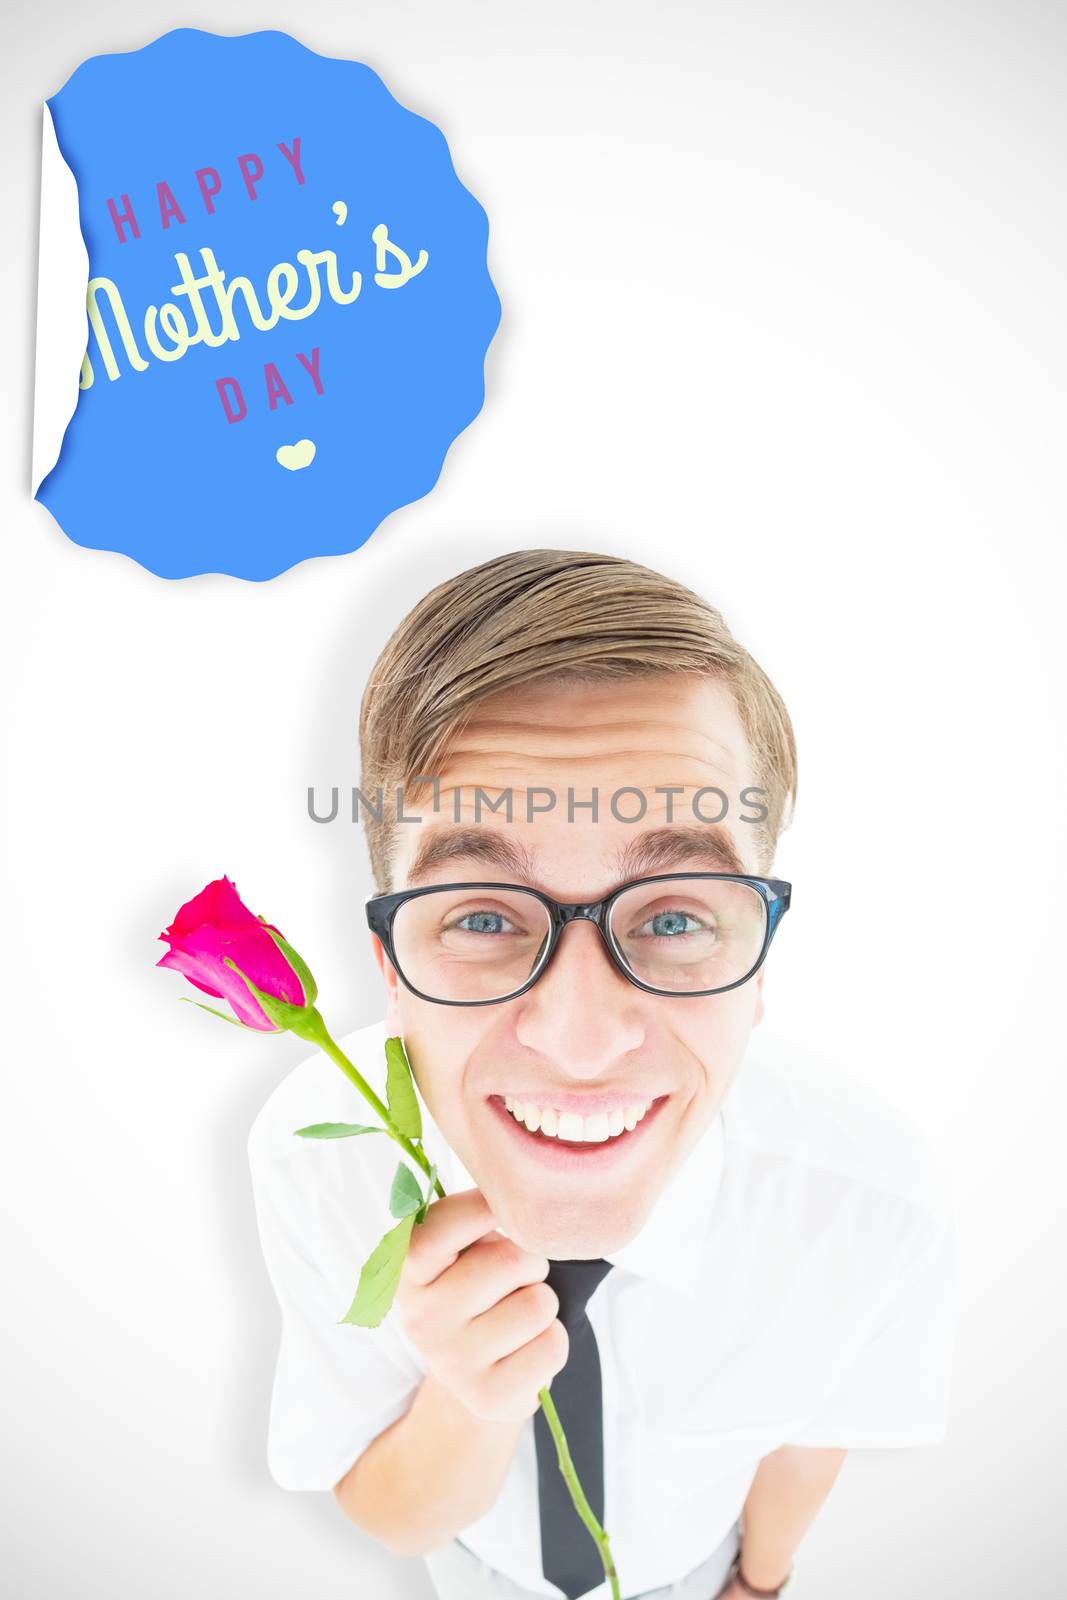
x,y
167,331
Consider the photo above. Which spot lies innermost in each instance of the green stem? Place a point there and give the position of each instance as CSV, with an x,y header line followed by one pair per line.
x,y
336,1054
322,1038
581,1504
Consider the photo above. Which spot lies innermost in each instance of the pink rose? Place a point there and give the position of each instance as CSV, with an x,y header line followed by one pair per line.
x,y
215,924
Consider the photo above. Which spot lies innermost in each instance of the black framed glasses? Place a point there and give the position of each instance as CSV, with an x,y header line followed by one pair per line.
x,y
675,934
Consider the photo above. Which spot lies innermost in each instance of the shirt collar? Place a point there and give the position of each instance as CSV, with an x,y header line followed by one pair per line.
x,y
667,1246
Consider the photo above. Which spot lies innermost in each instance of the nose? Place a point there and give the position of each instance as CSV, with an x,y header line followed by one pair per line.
x,y
581,1013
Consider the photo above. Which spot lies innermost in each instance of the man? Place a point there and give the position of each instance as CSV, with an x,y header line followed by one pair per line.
x,y
729,1275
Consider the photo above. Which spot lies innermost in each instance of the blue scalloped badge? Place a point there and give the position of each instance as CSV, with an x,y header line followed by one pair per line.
x,y
288,309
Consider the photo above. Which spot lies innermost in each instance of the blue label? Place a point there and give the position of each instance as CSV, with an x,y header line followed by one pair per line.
x,y
289,305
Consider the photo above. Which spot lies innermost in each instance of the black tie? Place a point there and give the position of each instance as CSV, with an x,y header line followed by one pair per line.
x,y
569,1556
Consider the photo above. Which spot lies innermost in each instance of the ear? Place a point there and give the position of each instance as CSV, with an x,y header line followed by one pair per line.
x,y
758,1007
392,982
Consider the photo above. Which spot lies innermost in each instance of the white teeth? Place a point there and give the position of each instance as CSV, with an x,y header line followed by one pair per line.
x,y
571,1126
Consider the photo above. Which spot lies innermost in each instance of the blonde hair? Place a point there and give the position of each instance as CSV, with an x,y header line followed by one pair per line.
x,y
552,615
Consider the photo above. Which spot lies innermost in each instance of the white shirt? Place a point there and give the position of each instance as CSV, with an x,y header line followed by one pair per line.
x,y
795,1283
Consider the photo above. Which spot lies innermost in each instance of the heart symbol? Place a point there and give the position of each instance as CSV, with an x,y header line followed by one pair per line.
x,y
295,456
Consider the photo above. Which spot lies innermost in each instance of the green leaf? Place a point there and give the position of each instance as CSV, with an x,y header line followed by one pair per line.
x,y
420,1215
400,1090
215,1012
335,1130
405,1195
380,1276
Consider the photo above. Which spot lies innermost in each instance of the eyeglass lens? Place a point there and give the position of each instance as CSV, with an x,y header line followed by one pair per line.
x,y
687,935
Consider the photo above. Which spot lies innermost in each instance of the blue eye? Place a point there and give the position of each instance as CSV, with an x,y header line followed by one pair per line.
x,y
482,922
669,924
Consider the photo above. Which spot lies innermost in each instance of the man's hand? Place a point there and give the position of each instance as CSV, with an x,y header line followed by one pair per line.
x,y
477,1308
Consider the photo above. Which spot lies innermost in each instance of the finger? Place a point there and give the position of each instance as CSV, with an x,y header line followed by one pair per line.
x,y
451,1224
512,1322
526,1367
491,1269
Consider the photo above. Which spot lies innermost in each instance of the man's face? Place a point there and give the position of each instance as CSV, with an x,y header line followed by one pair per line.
x,y
583,1037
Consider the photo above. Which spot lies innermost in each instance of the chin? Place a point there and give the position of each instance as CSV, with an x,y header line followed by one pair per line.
x,y
565,1234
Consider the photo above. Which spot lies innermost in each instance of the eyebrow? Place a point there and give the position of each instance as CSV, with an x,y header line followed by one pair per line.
x,y
441,845
663,848
659,850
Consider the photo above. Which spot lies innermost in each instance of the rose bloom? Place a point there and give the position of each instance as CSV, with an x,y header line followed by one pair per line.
x,y
215,924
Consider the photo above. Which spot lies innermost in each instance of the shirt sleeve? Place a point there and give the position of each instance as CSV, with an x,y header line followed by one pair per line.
x,y
336,1387
894,1387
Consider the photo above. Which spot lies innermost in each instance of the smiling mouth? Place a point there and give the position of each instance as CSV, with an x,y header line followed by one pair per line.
x,y
572,1131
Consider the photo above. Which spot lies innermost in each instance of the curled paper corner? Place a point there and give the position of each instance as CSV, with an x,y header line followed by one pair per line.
x,y
62,321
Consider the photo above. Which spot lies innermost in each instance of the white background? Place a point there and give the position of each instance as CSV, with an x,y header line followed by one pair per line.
x,y
783,314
